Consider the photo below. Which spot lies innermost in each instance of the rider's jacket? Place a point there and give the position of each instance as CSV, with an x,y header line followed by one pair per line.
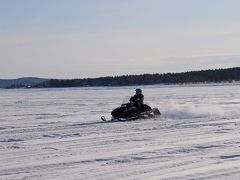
x,y
137,99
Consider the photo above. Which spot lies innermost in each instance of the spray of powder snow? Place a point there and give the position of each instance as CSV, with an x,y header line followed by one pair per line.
x,y
173,110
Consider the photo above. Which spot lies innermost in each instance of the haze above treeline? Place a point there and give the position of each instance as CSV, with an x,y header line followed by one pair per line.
x,y
202,76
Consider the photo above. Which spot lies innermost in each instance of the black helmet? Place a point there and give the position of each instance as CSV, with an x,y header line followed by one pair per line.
x,y
138,91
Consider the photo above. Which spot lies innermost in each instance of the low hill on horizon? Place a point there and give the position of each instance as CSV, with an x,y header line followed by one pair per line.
x,y
4,83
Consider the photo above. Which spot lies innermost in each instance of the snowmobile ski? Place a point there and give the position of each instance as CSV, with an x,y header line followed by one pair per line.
x,y
103,118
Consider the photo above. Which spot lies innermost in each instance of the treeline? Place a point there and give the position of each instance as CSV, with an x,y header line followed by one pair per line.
x,y
217,75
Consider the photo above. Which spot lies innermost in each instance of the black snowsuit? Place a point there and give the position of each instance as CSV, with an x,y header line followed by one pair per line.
x,y
137,100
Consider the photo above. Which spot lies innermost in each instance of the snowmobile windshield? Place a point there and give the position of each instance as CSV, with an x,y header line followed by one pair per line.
x,y
126,99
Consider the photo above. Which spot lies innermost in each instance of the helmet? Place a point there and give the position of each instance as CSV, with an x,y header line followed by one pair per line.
x,y
138,91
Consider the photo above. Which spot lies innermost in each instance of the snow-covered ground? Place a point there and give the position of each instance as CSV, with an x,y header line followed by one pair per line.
x,y
58,134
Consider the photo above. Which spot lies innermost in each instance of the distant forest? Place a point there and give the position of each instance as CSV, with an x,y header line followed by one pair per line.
x,y
204,76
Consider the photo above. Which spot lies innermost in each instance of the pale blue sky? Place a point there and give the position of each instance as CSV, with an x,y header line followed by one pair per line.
x,y
91,38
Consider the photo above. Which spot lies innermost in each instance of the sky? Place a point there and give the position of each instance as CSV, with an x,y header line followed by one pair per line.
x,y
93,38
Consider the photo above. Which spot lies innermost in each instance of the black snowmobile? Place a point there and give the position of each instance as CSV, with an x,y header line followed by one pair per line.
x,y
129,111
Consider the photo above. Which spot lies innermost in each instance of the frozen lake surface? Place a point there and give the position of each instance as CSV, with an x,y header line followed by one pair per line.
x,y
58,134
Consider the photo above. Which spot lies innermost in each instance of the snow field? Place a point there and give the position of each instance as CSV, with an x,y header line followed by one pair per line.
x,y
58,134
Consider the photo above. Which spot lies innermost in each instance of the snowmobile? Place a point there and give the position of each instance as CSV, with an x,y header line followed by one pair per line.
x,y
129,111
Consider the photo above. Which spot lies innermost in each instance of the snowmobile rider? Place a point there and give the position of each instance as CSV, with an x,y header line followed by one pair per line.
x,y
137,99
